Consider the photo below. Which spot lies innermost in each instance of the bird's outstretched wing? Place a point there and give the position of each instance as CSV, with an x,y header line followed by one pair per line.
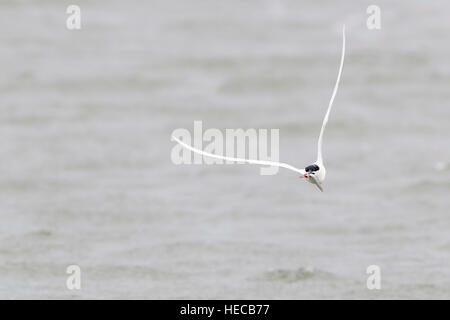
x,y
250,161
325,119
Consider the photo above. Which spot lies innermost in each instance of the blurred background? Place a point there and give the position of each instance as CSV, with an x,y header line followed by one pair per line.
x,y
86,176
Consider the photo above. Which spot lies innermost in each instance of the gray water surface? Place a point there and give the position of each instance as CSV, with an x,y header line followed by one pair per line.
x,y
86,176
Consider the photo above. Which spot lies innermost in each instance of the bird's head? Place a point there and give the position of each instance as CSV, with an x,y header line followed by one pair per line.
x,y
310,170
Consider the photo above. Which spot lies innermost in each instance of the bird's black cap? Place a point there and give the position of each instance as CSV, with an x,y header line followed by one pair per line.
x,y
312,168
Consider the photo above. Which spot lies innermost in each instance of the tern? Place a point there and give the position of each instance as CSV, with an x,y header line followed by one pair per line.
x,y
314,173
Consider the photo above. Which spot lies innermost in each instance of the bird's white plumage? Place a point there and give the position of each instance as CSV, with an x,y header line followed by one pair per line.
x,y
250,161
330,104
316,177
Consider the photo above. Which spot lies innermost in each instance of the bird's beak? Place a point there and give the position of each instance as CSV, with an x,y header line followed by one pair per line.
x,y
305,175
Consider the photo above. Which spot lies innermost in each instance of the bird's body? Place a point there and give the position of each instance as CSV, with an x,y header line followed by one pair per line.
x,y
314,173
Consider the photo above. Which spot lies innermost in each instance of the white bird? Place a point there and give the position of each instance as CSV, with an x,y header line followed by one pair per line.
x,y
314,173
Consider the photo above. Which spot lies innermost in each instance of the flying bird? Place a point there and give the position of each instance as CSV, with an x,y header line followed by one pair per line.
x,y
314,173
